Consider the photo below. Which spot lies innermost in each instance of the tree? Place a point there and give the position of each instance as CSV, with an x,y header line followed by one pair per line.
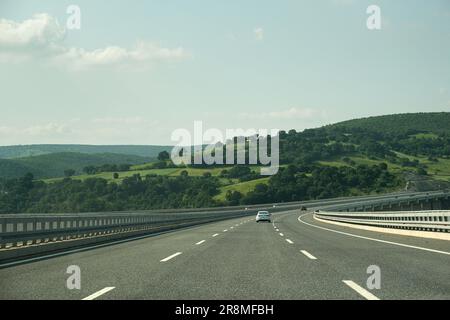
x,y
160,165
163,156
69,173
89,170
422,171
116,175
224,173
207,174
124,167
184,173
233,197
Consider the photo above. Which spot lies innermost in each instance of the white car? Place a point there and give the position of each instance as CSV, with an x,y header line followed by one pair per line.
x,y
263,216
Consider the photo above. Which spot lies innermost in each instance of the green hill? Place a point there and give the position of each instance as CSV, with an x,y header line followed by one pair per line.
x,y
13,169
404,142
53,165
356,157
20,151
407,123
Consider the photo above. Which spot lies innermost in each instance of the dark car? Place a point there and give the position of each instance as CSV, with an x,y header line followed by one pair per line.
x,y
303,208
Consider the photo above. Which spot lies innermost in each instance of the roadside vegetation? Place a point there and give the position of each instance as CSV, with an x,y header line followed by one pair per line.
x,y
356,157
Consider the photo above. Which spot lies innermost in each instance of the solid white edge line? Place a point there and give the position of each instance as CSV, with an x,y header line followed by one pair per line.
x,y
373,239
200,242
363,292
98,293
171,257
289,241
309,255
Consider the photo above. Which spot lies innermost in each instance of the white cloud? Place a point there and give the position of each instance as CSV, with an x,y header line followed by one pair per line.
x,y
4,130
143,52
259,33
107,130
123,121
47,129
35,133
292,113
41,37
41,30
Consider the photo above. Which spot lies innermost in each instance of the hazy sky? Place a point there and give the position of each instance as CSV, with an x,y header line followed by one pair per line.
x,y
137,70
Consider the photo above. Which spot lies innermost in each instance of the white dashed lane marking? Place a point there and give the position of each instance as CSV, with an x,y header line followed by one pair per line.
x,y
363,292
99,293
309,255
171,257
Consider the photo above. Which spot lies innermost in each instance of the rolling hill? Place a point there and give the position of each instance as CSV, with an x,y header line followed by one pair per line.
x,y
430,122
21,151
364,137
10,169
53,165
356,157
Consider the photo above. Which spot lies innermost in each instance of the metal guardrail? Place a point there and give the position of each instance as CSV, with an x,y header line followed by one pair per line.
x,y
19,230
399,199
435,221
34,234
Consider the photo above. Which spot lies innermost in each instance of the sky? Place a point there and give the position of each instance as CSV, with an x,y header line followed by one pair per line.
x,y
135,71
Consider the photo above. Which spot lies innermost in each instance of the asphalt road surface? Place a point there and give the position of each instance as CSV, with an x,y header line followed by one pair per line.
x,y
294,257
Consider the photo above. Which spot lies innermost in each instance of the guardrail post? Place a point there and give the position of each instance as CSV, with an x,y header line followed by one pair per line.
x,y
2,230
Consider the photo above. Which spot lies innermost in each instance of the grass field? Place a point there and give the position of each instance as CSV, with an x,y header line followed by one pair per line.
x,y
425,136
242,187
439,170
109,175
227,184
194,172
361,161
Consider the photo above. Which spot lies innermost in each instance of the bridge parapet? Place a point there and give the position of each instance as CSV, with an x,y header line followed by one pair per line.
x,y
434,221
414,202
24,235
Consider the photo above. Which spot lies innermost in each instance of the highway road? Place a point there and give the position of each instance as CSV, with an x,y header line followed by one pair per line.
x,y
295,257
